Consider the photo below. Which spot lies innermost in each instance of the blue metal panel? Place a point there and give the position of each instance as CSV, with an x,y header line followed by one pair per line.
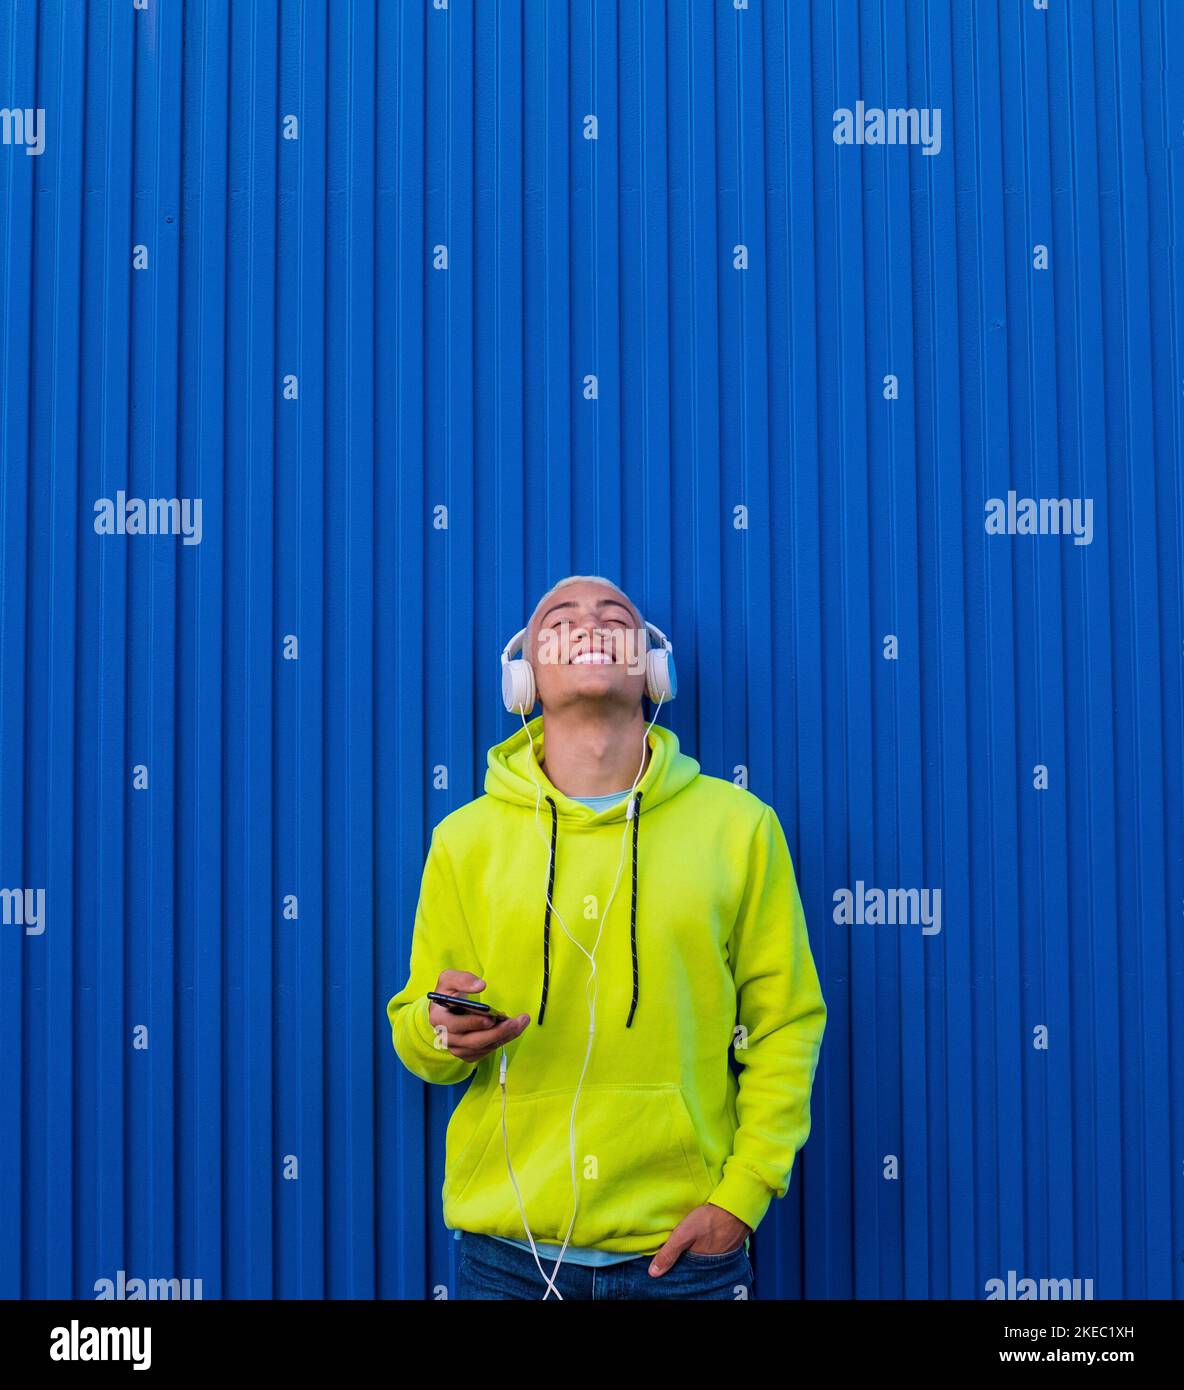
x,y
660,353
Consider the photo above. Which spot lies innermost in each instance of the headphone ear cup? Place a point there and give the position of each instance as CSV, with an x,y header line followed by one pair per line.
x,y
518,686
661,680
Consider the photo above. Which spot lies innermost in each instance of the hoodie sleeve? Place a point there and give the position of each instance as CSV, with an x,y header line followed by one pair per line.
x,y
783,1015
440,941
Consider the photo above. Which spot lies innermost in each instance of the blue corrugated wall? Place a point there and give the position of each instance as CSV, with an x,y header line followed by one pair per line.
x,y
421,346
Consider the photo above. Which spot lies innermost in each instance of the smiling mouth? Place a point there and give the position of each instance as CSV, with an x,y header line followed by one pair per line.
x,y
591,659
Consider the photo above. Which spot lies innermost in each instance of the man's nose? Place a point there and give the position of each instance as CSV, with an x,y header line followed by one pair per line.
x,y
583,634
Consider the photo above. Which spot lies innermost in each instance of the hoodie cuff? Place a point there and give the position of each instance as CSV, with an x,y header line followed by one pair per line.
x,y
743,1194
423,1025
437,1063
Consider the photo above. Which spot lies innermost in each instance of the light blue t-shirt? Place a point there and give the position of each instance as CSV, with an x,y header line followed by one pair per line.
x,y
579,1254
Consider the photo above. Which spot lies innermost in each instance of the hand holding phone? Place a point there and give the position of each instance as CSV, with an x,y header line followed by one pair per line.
x,y
471,1029
455,1004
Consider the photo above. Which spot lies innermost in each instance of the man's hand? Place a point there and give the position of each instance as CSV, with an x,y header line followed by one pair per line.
x,y
707,1230
469,1036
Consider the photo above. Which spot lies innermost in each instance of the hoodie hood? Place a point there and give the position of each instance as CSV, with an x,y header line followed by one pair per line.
x,y
514,767
514,775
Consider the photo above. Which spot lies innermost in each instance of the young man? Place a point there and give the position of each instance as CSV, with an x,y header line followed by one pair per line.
x,y
642,1104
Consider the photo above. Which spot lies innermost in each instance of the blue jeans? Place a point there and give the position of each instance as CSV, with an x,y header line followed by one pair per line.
x,y
491,1269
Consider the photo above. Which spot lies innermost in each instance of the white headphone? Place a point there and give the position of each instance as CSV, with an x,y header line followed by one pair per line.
x,y
518,687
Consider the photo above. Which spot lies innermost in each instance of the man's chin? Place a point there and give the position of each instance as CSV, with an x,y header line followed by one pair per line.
x,y
586,688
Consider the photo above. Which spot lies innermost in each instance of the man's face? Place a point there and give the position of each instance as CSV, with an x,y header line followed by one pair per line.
x,y
588,642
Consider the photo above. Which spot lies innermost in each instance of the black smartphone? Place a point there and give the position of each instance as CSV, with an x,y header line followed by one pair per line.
x,y
457,1004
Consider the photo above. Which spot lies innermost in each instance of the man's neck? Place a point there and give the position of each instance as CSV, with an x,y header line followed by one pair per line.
x,y
593,753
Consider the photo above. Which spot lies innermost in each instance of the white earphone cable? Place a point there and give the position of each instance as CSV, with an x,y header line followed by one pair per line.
x,y
629,814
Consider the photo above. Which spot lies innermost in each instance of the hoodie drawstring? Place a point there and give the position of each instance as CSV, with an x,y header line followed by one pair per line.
x,y
550,895
633,905
547,914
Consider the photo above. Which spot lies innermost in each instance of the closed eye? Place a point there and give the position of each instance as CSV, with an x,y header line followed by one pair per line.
x,y
604,622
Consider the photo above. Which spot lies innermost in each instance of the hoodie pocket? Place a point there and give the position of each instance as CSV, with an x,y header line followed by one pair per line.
x,y
460,1164
639,1166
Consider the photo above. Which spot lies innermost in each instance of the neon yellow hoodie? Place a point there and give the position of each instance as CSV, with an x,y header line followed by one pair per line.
x,y
704,947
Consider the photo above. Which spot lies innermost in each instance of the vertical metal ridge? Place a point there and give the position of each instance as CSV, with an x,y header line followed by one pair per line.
x,y
15,250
